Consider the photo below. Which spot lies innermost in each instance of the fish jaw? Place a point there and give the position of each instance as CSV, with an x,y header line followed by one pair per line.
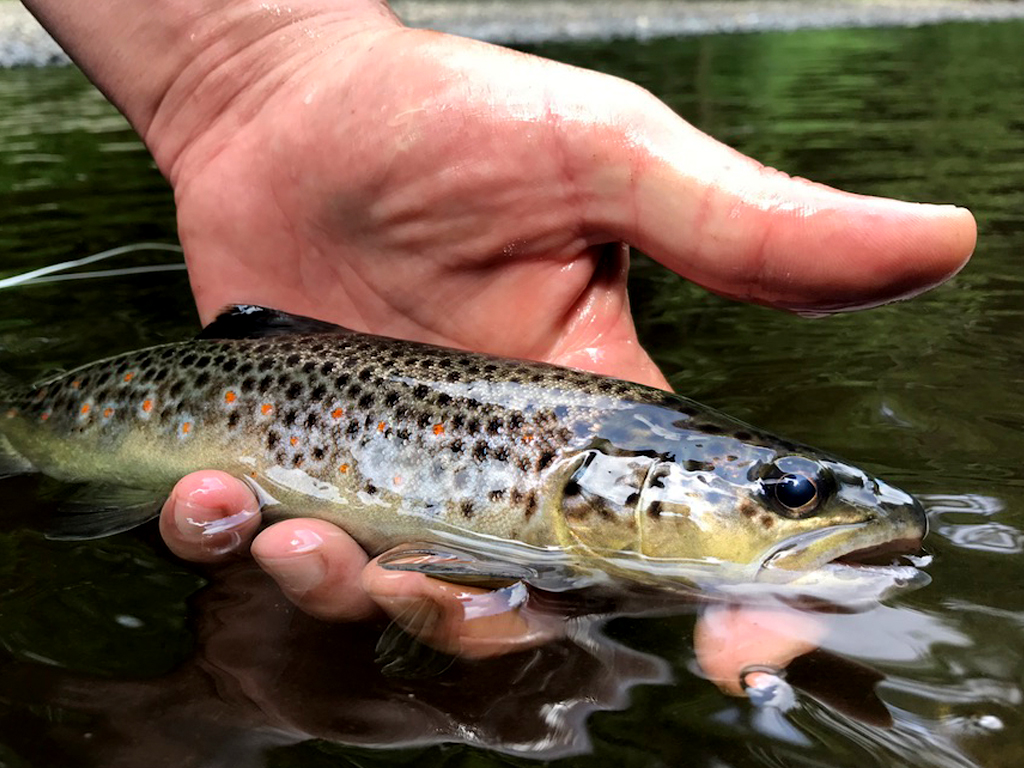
x,y
899,530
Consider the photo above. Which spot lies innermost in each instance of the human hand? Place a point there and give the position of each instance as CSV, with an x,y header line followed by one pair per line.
x,y
430,187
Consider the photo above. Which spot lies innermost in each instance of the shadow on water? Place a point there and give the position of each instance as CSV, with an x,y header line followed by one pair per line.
x,y
113,648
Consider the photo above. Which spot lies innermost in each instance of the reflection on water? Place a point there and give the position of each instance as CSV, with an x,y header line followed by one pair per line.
x,y
108,644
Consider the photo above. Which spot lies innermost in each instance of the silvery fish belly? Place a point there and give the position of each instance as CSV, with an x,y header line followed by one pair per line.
x,y
400,442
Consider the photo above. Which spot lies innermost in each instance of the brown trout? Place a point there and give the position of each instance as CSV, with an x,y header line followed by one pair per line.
x,y
403,442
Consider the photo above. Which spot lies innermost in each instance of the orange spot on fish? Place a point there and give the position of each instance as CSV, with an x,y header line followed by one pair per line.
x,y
76,383
186,427
343,468
107,412
337,413
229,397
85,409
12,413
439,429
44,416
129,376
294,441
380,426
398,479
266,408
147,405
527,438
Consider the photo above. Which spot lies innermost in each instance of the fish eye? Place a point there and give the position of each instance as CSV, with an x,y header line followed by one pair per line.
x,y
794,492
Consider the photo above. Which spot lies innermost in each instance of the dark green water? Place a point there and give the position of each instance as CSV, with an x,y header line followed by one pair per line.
x,y
112,655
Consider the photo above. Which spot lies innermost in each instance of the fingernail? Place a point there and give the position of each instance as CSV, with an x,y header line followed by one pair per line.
x,y
304,568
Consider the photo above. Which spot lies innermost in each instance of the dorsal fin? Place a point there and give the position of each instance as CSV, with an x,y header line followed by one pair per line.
x,y
247,321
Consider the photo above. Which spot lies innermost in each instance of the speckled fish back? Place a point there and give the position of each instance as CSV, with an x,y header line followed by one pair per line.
x,y
370,424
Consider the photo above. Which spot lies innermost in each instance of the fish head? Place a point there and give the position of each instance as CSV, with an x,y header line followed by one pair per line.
x,y
664,487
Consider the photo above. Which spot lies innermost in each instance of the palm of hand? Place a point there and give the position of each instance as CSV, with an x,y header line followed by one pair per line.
x,y
441,209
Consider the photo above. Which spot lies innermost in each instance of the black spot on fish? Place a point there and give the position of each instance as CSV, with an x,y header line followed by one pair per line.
x,y
228,365
632,499
654,509
353,428
247,384
233,419
202,361
168,353
731,457
371,488
710,429
545,459
311,420
202,380
767,521
354,391
290,416
186,361
265,384
443,399
160,374
341,382
531,504
490,368
494,426
366,400
319,392
287,346
176,388
297,459
515,420
451,377
281,457
742,435
309,366
319,453
365,374
403,434
272,440
391,399
480,450
401,412
292,360
690,465
456,446
501,454
423,420
496,495
326,367
466,508
420,392
516,497
536,378
473,426
265,365
572,488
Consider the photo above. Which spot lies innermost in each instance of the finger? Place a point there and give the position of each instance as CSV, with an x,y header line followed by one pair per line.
x,y
210,516
318,567
747,231
736,646
462,621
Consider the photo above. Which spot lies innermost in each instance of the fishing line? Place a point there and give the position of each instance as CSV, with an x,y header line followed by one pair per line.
x,y
42,275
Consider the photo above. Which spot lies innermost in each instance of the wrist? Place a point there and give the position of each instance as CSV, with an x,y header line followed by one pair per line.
x,y
176,67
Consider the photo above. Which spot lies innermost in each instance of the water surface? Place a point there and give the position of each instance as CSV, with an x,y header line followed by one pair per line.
x,y
113,653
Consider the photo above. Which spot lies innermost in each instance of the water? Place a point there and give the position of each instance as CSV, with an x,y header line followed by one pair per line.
x,y
113,653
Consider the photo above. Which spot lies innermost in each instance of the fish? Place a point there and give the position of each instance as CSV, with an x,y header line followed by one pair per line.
x,y
559,470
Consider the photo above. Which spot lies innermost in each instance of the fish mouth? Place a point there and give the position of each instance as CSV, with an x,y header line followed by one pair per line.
x,y
850,546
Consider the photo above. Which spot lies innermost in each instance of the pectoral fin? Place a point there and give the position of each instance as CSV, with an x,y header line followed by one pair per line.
x,y
456,567
96,510
11,462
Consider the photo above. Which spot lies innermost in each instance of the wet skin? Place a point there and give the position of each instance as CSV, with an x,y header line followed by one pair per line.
x,y
444,211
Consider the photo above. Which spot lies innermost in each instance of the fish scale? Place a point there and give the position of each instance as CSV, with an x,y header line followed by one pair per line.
x,y
398,441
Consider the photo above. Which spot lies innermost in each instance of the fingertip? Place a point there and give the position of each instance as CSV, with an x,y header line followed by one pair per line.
x,y
209,516
318,567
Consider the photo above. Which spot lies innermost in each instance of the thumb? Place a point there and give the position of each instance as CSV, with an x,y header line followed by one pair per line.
x,y
750,232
